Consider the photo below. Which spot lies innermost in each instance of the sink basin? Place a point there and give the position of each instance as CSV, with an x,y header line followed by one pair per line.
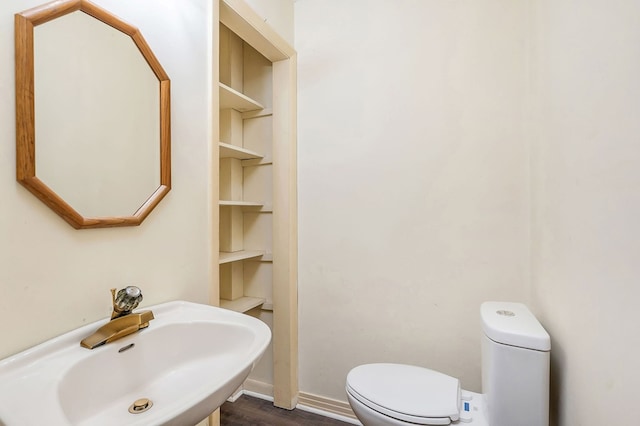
x,y
189,360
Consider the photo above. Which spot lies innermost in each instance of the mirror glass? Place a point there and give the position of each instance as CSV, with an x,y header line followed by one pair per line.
x,y
97,116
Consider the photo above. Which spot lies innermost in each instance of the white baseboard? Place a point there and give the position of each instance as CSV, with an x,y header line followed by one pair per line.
x,y
327,407
237,394
261,388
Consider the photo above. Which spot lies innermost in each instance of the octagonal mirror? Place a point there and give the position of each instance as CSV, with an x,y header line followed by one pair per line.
x,y
92,115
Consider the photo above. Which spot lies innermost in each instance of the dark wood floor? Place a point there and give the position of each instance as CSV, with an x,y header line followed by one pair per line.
x,y
249,411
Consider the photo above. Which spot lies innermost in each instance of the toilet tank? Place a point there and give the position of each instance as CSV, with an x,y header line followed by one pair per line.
x,y
515,365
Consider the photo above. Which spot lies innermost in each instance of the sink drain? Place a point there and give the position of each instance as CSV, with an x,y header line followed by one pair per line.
x,y
140,406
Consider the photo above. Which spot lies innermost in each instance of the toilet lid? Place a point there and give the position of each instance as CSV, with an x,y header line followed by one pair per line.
x,y
407,393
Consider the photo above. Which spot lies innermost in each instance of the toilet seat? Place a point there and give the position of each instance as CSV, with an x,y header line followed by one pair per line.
x,y
406,393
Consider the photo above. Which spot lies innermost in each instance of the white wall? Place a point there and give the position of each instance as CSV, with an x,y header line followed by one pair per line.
x,y
586,187
413,202
54,278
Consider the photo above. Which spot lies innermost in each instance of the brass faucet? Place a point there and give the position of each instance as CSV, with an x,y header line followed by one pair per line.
x,y
123,321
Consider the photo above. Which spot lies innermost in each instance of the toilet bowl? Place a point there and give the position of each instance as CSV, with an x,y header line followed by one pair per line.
x,y
515,381
397,394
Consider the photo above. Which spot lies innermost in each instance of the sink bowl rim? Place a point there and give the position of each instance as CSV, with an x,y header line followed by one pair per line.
x,y
54,352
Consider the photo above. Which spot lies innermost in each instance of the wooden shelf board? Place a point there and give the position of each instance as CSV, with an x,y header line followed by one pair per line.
x,y
240,203
267,208
252,208
267,112
256,162
242,304
227,257
232,151
230,98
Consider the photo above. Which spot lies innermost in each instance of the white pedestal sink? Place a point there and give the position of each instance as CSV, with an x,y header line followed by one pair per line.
x,y
189,360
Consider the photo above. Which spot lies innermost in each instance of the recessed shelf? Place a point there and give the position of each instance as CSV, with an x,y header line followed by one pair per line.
x,y
247,71
227,257
232,151
230,98
240,203
257,162
249,206
242,304
267,208
267,112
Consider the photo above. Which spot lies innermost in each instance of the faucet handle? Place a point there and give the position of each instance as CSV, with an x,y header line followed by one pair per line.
x,y
126,300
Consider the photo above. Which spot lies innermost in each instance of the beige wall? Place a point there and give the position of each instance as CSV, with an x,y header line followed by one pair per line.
x,y
442,143
416,159
413,202
278,14
54,278
586,198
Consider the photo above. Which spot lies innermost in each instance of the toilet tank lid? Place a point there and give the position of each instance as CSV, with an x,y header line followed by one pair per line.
x,y
513,324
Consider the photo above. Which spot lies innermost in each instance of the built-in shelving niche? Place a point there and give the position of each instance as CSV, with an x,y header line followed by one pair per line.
x,y
246,178
257,189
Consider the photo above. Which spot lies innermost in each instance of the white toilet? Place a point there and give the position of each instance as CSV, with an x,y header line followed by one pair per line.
x,y
515,381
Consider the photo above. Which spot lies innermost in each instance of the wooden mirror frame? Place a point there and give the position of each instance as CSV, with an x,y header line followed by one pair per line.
x,y
25,112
